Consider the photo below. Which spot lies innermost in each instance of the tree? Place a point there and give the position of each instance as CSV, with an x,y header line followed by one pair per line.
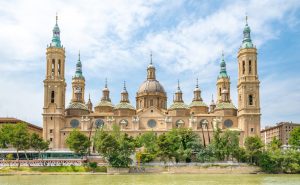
x,y
253,146
38,144
115,147
9,157
147,140
275,144
294,139
20,139
78,142
217,145
230,140
6,133
167,147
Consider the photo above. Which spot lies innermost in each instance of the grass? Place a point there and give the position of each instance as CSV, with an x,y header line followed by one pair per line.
x,y
52,169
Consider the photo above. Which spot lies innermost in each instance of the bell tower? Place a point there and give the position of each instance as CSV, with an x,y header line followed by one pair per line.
x,y
54,90
248,86
223,81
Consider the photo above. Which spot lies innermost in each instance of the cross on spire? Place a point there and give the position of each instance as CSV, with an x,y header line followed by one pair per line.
x,y
197,85
105,82
151,57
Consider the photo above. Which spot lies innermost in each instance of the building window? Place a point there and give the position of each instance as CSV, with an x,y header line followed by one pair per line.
x,y
52,96
99,123
74,123
179,123
250,99
250,67
228,123
252,129
52,67
58,68
51,139
151,123
220,91
243,67
51,131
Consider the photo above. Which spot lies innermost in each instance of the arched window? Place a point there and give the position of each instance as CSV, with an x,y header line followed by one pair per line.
x,y
250,99
58,68
243,67
220,91
250,67
52,96
52,67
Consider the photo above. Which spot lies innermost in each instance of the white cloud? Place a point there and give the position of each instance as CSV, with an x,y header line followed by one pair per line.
x,y
116,36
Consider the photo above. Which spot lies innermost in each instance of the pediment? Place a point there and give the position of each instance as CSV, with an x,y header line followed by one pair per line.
x,y
152,112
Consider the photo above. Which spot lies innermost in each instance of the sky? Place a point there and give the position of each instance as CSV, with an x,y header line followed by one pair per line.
x,y
115,38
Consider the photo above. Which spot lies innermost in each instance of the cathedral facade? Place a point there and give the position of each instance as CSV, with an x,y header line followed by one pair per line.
x,y
150,113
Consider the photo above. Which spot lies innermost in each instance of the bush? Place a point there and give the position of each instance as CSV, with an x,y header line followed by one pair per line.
x,y
92,166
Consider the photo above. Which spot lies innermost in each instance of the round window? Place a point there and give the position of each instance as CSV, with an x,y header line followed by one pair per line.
x,y
228,123
179,123
204,123
99,123
151,123
124,122
74,123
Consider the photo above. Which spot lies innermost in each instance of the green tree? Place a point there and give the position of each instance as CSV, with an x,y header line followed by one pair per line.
x,y
294,139
115,147
167,147
20,139
275,144
217,145
38,144
230,143
9,157
78,142
147,140
254,147
6,134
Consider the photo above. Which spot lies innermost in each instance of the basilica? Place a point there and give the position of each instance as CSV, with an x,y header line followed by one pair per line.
x,y
150,112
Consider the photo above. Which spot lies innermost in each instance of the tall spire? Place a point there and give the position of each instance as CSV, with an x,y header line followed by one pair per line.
x,y
223,72
197,92
151,69
124,94
247,42
197,85
78,73
105,92
105,83
56,35
178,93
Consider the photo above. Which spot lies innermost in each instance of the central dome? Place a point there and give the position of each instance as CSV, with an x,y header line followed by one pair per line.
x,y
151,86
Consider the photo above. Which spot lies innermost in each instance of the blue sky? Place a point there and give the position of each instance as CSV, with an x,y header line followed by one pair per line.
x,y
115,38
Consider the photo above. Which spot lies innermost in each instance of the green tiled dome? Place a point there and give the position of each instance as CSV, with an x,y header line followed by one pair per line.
x,y
178,105
124,105
77,105
104,103
197,104
225,105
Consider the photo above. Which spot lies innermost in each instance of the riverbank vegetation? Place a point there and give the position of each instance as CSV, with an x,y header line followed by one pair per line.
x,y
178,145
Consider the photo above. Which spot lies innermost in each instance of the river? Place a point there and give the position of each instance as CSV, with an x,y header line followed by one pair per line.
x,y
151,179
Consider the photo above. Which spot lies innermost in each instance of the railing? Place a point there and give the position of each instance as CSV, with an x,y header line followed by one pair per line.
x,y
46,162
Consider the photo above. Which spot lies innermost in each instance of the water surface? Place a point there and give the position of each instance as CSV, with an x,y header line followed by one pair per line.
x,y
151,179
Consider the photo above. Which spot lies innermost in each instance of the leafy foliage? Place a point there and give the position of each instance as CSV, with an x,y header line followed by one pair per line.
x,y
294,139
116,147
78,142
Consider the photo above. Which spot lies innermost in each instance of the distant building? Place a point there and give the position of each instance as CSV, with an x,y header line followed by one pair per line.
x,y
31,127
281,131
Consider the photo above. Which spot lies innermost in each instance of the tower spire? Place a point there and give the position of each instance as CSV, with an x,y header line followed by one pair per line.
x,y
150,57
197,85
78,72
105,83
124,83
56,35
247,42
223,72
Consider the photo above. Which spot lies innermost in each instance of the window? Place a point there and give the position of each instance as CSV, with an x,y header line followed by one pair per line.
x,y
51,131
58,68
151,123
52,96
252,129
74,123
228,123
51,139
250,100
52,67
243,67
179,123
250,67
99,123
220,91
